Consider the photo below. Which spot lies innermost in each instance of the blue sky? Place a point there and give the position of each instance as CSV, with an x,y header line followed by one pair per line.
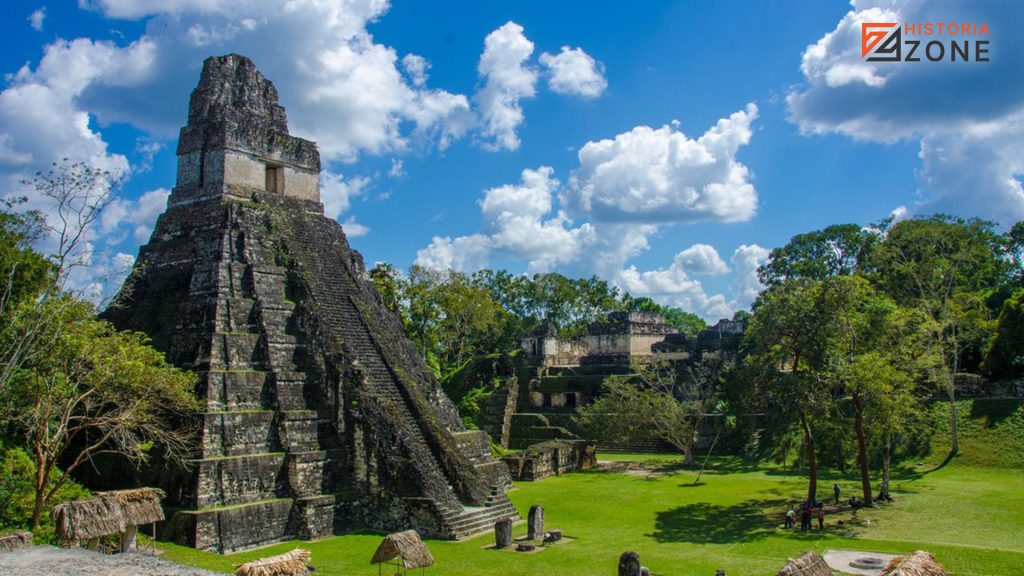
x,y
463,134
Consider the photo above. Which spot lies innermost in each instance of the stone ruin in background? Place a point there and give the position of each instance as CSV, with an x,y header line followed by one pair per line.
x,y
540,403
320,417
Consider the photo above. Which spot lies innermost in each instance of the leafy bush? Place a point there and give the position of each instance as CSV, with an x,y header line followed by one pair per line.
x,y
1005,359
17,494
469,407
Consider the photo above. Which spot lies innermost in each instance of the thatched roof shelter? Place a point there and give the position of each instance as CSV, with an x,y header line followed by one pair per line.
x,y
15,540
920,563
107,513
809,564
294,563
404,549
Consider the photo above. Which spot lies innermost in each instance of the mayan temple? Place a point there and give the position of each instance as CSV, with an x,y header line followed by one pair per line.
x,y
320,416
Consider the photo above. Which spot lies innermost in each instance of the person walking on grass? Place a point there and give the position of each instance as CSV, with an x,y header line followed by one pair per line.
x,y
835,490
805,519
821,518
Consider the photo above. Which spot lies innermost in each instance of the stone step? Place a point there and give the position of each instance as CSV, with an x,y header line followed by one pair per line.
x,y
238,432
239,479
227,390
481,521
236,315
229,528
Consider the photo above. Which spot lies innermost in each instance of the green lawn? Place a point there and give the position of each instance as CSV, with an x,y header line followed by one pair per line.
x,y
971,518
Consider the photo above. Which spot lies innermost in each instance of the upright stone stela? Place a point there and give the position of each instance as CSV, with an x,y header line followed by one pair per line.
x,y
320,416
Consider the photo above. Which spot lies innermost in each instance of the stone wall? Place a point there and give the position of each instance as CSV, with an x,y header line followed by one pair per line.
x,y
551,459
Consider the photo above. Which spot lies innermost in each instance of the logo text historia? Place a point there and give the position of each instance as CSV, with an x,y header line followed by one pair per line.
x,y
931,41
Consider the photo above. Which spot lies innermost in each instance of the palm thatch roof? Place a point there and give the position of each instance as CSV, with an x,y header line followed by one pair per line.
x,y
405,546
920,563
15,540
294,563
809,564
107,513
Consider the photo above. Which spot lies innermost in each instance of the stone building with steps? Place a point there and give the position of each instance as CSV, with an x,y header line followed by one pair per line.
x,y
320,417
564,374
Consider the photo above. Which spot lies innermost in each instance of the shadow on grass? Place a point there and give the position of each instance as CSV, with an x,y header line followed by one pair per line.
x,y
994,411
703,523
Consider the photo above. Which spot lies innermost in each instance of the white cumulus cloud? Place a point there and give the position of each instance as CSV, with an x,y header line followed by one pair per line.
x,y
661,175
342,89
521,222
41,117
337,192
516,224
465,253
508,78
36,18
573,71
138,215
416,67
701,259
746,260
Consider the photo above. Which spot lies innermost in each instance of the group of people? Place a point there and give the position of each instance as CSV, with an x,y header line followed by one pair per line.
x,y
810,510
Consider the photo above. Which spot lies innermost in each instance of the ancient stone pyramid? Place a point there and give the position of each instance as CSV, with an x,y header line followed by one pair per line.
x,y
320,415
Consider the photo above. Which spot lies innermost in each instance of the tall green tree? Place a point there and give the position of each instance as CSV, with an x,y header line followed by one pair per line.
x,y
76,194
25,275
867,369
96,391
470,322
420,294
948,268
837,250
787,343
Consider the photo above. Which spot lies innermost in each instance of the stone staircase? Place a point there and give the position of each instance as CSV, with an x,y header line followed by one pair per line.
x,y
340,313
496,411
473,520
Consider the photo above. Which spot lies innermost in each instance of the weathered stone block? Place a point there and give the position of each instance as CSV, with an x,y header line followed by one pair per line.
x,y
298,430
239,433
503,533
240,479
314,517
551,458
309,473
535,522
238,390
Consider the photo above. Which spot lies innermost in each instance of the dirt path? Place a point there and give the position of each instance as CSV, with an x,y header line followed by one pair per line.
x,y
55,561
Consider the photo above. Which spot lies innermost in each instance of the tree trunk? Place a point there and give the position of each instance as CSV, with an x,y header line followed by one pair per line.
x,y
812,463
688,454
42,476
862,449
886,454
37,510
953,424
